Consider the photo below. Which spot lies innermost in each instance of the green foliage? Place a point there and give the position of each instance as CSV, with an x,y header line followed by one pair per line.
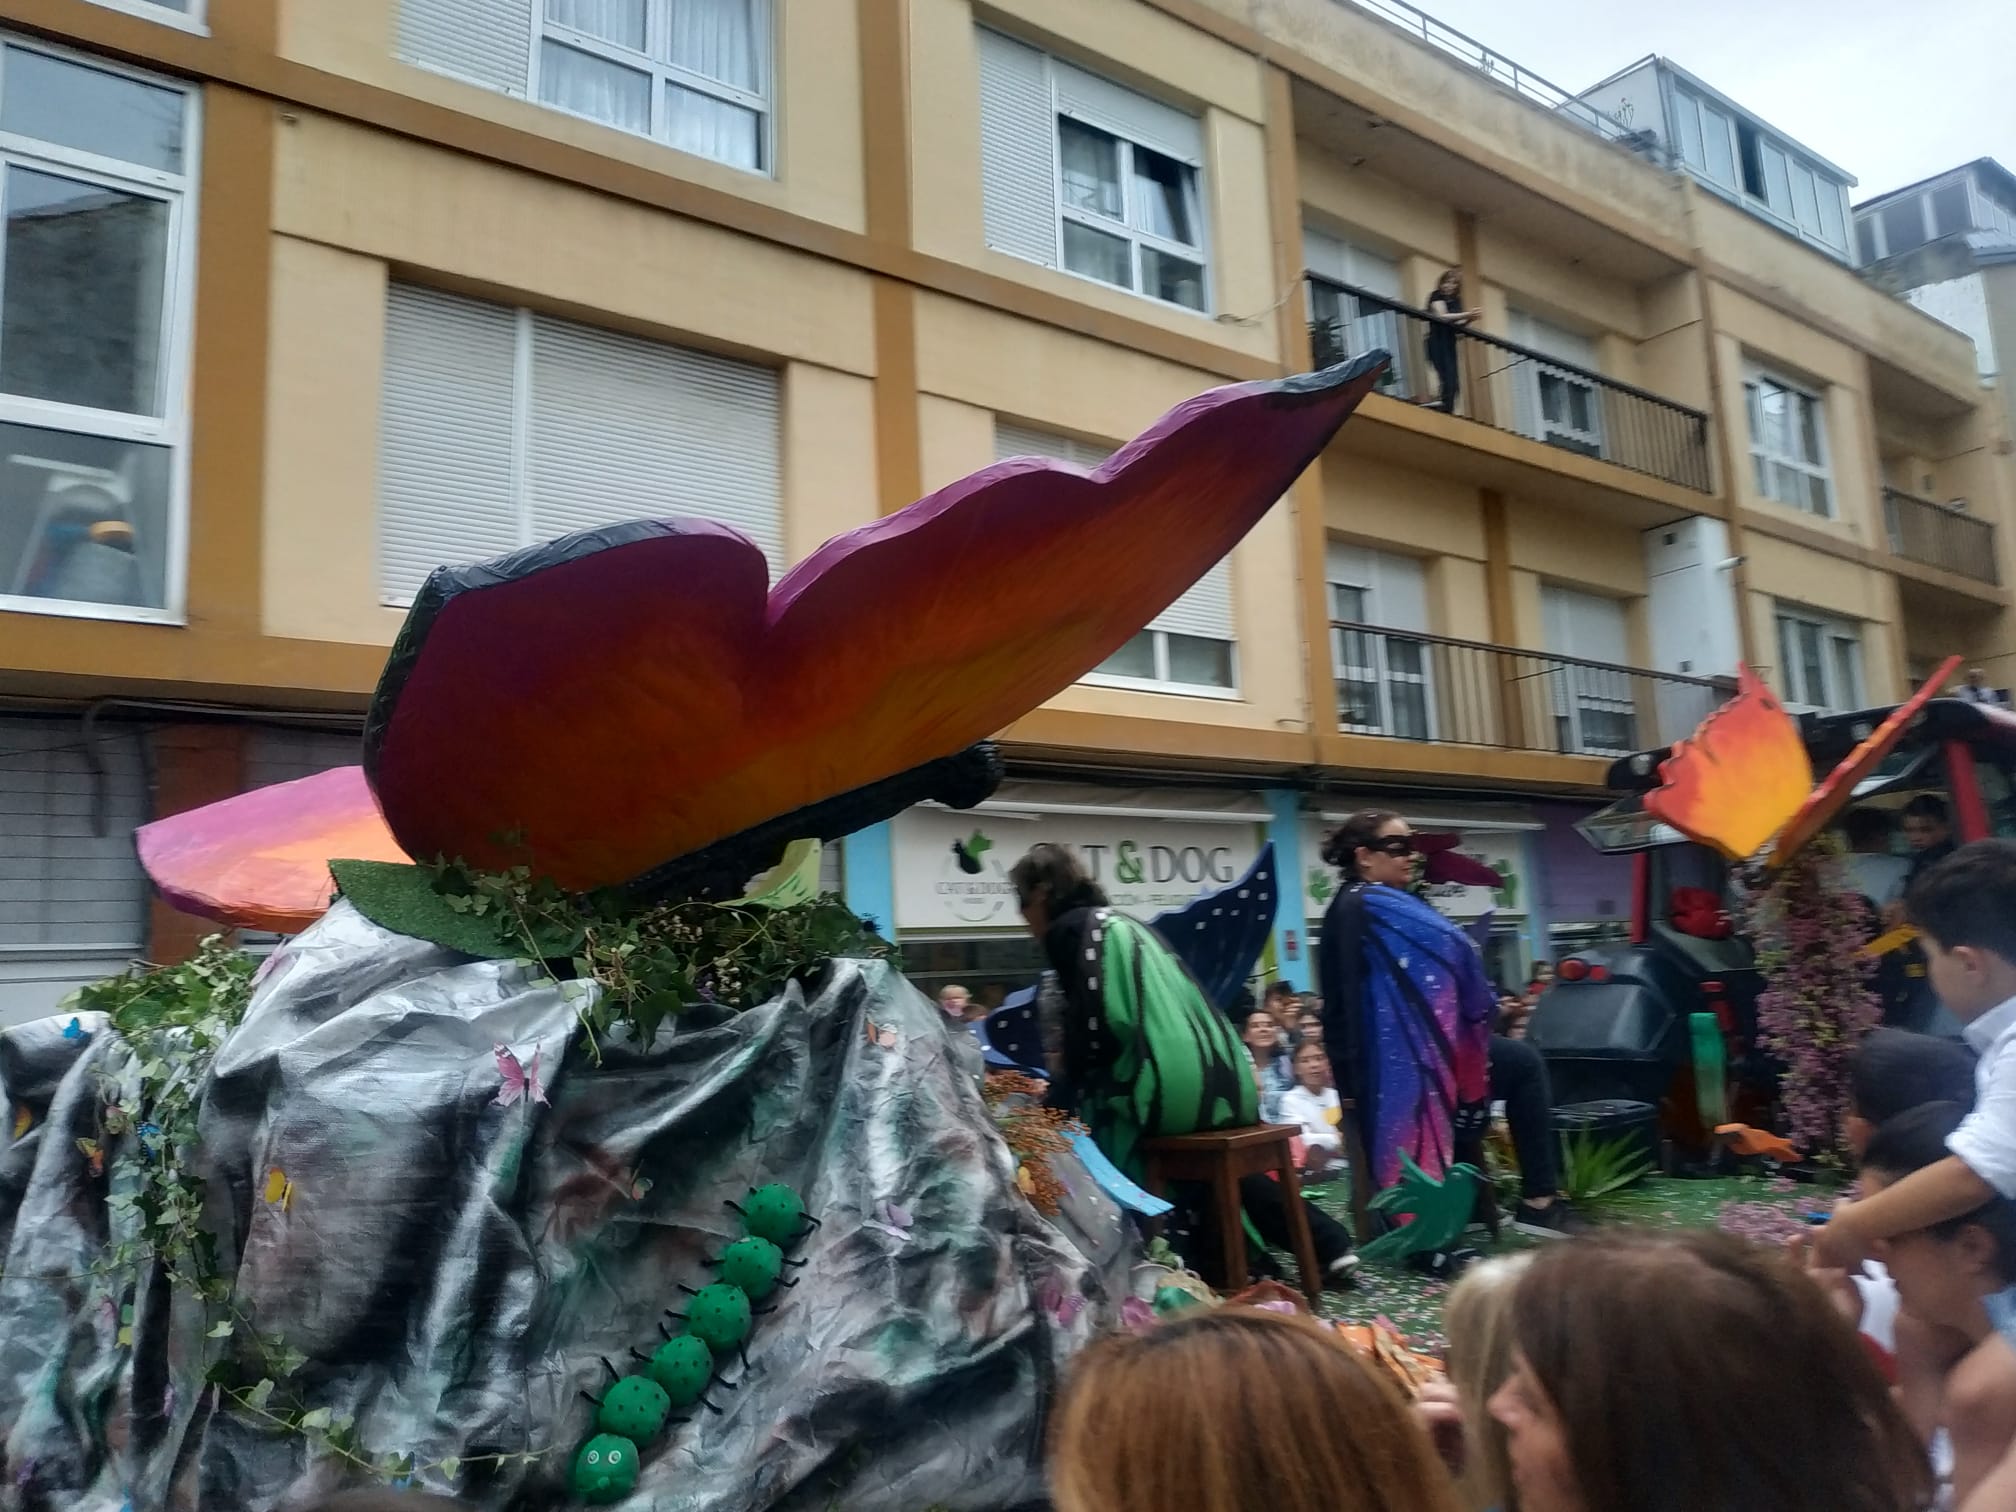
x,y
172,1019
651,963
1593,1167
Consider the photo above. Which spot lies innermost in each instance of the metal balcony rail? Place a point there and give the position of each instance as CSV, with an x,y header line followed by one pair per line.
x,y
1503,71
1407,685
1940,535
1513,388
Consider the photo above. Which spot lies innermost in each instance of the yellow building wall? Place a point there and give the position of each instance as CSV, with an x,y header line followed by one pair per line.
x,y
1378,213
1794,575
354,206
1751,331
816,96
976,365
1137,45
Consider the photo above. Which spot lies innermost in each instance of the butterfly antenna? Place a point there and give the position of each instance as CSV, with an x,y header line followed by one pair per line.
x,y
743,1351
614,1373
663,1329
735,1207
639,1354
764,1312
797,1265
787,1285
710,1406
688,1290
814,1222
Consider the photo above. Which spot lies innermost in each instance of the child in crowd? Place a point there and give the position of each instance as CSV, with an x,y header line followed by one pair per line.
x,y
1262,1034
1965,910
1478,1320
1943,1274
1237,1410
1313,1103
1693,1371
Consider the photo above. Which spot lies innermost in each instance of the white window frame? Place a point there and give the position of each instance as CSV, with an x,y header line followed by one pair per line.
x,y
1835,634
1764,461
191,20
1124,229
1162,682
663,76
169,429
1533,378
1380,671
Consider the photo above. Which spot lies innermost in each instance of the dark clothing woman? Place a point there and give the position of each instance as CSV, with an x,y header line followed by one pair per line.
x,y
1445,309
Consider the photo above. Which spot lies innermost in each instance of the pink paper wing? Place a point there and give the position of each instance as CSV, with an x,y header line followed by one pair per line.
x,y
261,860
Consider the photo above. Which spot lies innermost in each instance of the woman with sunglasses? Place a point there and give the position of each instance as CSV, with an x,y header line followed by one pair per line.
x,y
1406,1006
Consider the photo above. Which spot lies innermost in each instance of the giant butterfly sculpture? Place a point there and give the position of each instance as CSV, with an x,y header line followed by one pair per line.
x,y
634,707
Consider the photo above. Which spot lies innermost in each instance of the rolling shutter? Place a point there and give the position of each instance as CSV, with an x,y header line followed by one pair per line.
x,y
1018,149
487,42
64,887
626,429
1118,109
445,452
1205,610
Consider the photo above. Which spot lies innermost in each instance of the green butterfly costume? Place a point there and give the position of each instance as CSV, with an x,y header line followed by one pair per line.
x,y
1134,1043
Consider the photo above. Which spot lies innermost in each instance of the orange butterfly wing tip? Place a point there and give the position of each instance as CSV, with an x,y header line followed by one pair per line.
x,y
1832,795
1736,780
279,1189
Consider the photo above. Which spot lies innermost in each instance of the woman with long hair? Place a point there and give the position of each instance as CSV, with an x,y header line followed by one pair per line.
x,y
1446,316
1478,1323
1136,1050
1238,1410
1678,1371
1407,1009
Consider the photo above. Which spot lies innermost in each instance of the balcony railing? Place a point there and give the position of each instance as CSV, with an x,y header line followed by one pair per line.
x,y
1939,535
1512,387
1501,70
1411,686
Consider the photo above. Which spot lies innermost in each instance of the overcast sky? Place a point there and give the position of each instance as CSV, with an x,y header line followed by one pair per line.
x,y
1891,90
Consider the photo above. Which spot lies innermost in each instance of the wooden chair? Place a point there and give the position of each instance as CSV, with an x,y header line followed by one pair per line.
x,y
1220,1159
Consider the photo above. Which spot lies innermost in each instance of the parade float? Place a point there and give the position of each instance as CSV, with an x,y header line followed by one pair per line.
x,y
572,1149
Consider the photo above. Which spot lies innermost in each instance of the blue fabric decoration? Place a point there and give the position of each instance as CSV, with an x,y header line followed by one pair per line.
x,y
1113,1182
1011,1037
1220,935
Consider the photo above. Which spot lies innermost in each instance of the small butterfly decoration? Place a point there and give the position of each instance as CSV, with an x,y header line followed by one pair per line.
x,y
280,1189
893,1219
881,1035
74,1029
1061,1305
520,1081
94,1153
639,1186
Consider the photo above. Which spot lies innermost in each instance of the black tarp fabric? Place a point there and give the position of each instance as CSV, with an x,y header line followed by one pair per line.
x,y
455,1268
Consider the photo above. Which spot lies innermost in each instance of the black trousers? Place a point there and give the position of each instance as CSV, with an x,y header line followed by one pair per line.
x,y
1519,1080
1261,1197
1443,360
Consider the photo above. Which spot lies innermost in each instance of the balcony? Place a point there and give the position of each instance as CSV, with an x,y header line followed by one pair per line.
x,y
1406,685
1938,535
1515,389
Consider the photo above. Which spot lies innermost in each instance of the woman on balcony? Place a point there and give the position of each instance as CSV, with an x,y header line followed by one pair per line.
x,y
1446,317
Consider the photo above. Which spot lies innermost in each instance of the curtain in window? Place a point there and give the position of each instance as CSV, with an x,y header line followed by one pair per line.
x,y
1165,197
716,39
595,87
1091,169
712,128
617,21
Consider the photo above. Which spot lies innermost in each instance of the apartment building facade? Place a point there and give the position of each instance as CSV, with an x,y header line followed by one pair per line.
x,y
346,291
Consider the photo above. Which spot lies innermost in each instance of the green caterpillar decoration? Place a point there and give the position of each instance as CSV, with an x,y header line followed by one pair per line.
x,y
636,1408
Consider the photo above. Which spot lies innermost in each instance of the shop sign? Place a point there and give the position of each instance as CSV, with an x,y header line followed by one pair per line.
x,y
952,868
1498,849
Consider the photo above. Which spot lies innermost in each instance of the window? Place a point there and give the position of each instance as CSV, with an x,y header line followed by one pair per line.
x,y
1705,137
1081,174
1595,712
1903,224
1788,443
500,428
1188,647
1557,405
693,74
184,13
1822,659
1385,682
95,263
1347,323
1951,213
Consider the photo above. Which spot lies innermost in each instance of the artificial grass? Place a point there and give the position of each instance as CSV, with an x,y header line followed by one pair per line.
x,y
1412,1303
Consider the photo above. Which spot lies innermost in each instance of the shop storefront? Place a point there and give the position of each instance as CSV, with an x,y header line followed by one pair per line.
x,y
1151,850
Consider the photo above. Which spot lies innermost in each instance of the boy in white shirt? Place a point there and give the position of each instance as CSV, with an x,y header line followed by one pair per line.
x,y
1313,1103
1965,911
